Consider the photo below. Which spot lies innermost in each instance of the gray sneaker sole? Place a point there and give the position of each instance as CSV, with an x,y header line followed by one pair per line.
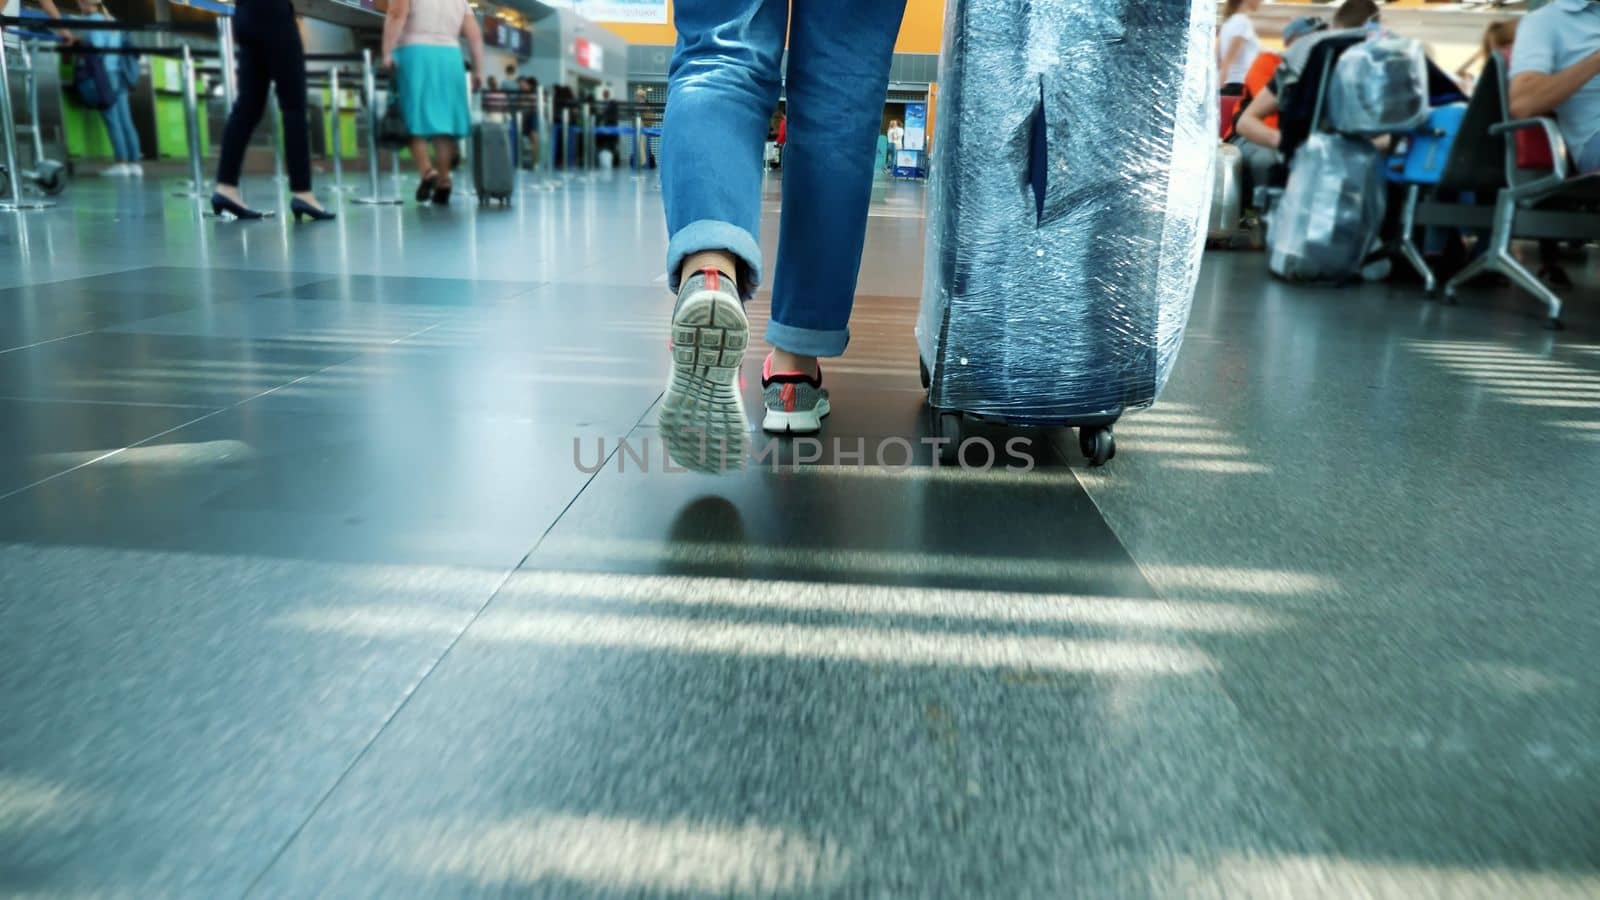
x,y
798,422
702,418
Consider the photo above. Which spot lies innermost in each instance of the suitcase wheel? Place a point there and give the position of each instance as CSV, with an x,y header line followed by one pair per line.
x,y
950,426
922,369
1099,446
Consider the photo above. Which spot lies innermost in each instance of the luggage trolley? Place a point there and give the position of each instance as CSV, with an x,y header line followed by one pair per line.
x,y
48,176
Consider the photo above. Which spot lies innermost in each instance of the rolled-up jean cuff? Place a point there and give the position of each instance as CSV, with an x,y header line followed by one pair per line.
x,y
807,341
709,234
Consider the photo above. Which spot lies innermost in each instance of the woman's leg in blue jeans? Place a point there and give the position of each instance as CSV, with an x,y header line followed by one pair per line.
x,y
839,55
119,126
722,89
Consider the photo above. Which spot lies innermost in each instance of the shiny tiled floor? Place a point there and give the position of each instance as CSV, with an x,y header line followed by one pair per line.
x,y
310,586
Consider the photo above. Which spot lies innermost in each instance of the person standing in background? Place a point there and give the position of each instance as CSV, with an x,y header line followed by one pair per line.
x,y
422,45
122,73
1260,159
897,139
1497,38
611,119
1237,45
271,54
530,117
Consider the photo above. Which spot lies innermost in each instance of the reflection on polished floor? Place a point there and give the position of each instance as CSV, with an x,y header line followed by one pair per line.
x,y
310,584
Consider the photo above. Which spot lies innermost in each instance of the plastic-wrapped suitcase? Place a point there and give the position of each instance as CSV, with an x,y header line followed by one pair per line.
x,y
1330,213
493,173
1379,86
1227,197
1071,181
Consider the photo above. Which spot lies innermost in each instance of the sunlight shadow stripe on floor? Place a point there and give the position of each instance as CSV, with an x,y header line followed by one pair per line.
x,y
199,453
1217,466
892,646
907,564
28,803
627,854
1008,607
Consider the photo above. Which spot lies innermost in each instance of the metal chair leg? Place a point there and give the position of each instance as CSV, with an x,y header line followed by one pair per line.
x,y
1519,275
1407,246
1483,264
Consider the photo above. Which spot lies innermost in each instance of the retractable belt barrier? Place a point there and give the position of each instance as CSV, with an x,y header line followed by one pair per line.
x,y
27,27
103,25
369,98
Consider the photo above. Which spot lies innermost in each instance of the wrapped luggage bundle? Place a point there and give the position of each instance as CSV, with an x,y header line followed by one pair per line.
x,y
1330,212
1071,180
1380,86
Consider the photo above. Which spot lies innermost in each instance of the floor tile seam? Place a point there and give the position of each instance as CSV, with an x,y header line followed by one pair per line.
x,y
195,421
1312,830
416,687
53,340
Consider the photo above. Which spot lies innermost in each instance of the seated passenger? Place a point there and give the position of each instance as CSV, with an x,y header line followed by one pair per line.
x,y
1259,159
1497,38
1350,16
1555,68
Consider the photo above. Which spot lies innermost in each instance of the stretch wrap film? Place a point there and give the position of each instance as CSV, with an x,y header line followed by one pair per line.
x,y
1379,86
1330,212
1071,183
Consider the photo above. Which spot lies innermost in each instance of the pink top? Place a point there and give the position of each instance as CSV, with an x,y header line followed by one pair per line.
x,y
434,22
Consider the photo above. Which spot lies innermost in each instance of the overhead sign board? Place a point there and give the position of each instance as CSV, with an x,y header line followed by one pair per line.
x,y
640,12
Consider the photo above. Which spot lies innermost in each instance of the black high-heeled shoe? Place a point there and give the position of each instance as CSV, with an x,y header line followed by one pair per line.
x,y
301,209
441,194
221,204
425,189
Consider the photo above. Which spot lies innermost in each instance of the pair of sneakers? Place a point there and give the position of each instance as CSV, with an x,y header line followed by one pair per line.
x,y
702,417
124,170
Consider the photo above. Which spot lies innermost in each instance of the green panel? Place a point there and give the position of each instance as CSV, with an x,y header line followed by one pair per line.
x,y
86,133
83,128
172,132
349,109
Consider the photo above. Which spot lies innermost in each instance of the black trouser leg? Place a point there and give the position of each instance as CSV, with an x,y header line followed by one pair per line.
x,y
289,80
246,112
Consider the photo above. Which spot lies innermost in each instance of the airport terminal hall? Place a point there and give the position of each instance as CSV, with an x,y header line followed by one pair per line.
x,y
800,448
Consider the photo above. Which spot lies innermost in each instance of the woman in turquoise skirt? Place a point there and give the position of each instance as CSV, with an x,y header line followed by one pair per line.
x,y
422,46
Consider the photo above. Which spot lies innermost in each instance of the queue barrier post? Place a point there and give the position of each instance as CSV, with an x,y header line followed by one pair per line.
x,y
369,97
276,112
230,75
191,125
638,143
339,186
589,162
547,135
566,140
